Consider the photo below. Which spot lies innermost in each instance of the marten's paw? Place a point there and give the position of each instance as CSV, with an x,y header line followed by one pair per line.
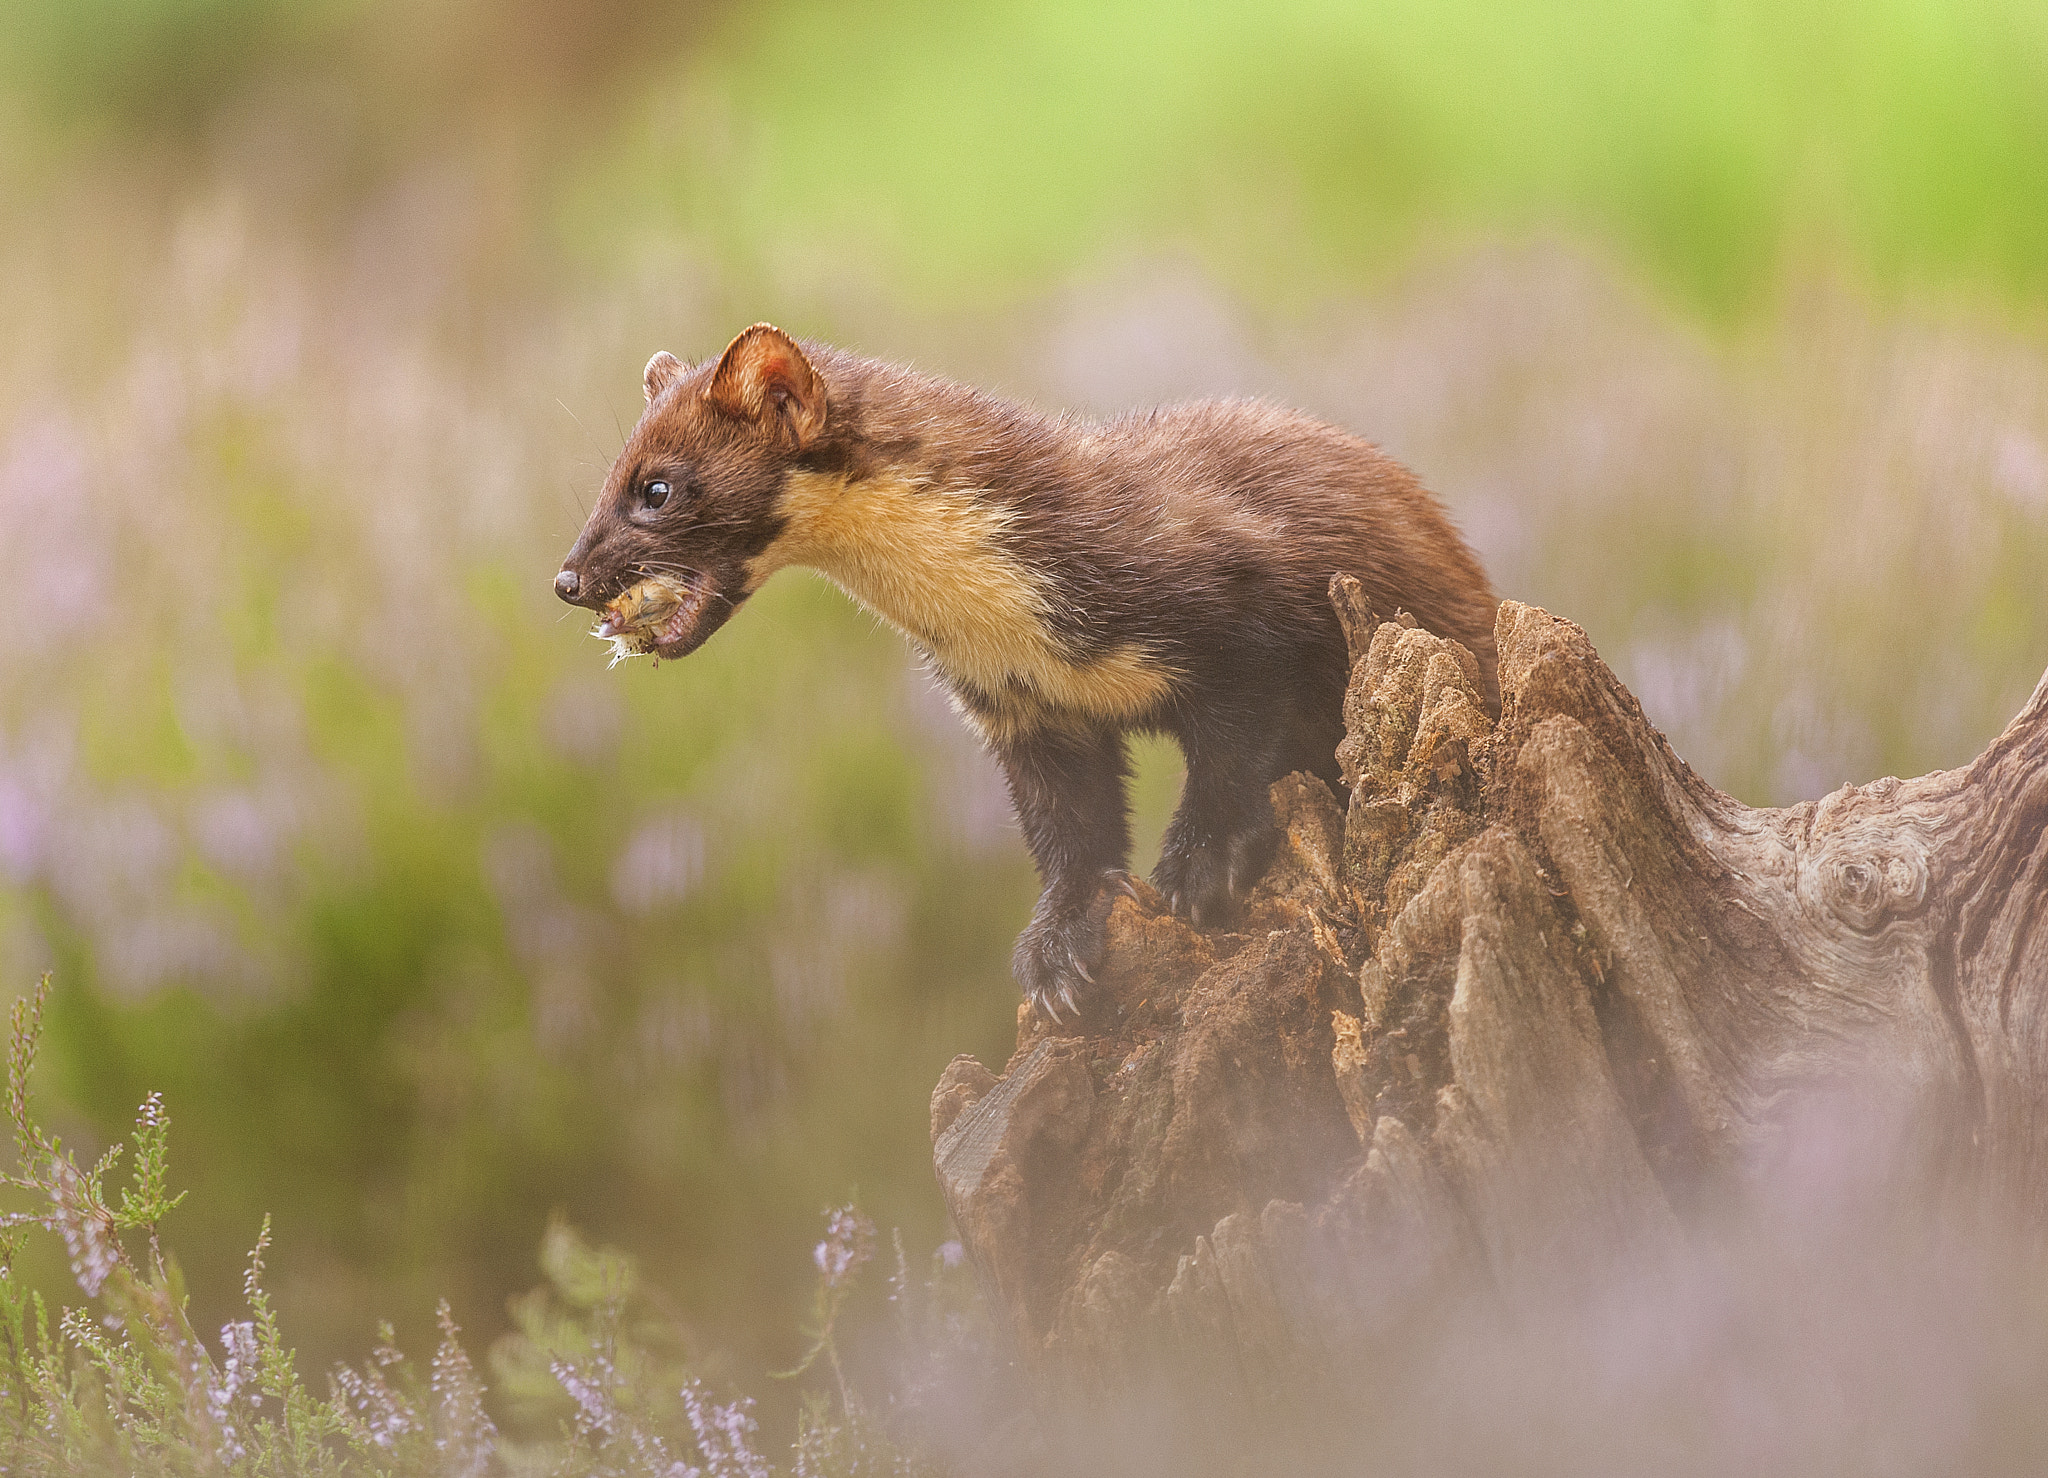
x,y
1203,880
1060,949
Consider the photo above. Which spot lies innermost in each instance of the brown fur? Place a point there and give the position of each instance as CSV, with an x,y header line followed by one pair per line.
x,y
1069,581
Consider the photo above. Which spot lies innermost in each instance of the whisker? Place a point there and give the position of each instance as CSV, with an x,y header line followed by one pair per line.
x,y
658,568
596,448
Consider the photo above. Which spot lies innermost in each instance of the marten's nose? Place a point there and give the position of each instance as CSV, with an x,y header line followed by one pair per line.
x,y
568,585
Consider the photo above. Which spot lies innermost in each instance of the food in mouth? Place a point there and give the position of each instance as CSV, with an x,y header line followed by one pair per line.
x,y
655,613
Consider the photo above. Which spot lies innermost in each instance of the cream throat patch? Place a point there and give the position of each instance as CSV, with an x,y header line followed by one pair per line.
x,y
930,561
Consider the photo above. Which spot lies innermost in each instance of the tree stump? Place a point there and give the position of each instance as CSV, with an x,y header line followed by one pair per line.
x,y
1532,987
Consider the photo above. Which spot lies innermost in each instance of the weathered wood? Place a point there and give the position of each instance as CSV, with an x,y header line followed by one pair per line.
x,y
1533,986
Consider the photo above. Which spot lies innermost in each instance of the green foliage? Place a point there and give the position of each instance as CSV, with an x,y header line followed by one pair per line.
x,y
148,62
958,150
136,1391
1306,144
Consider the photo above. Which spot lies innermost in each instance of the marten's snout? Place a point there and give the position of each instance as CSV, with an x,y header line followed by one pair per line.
x,y
569,585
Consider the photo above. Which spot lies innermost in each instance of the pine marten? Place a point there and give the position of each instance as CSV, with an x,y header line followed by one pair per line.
x,y
1069,581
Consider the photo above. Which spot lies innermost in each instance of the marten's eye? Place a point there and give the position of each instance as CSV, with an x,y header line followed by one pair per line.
x,y
654,494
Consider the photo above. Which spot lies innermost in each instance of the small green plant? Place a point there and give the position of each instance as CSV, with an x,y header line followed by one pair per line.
x,y
848,1246
135,1390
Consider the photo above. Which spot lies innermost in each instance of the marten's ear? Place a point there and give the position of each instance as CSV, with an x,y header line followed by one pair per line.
x,y
764,377
662,371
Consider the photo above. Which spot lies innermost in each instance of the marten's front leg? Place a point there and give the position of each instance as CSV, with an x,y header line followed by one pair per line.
x,y
1068,789
1221,836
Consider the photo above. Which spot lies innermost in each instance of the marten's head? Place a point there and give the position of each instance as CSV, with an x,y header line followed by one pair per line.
x,y
692,499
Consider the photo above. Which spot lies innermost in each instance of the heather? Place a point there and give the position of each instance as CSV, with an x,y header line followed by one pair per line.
x,y
593,1378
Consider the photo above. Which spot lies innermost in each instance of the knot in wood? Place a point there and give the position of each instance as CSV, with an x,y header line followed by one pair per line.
x,y
1864,889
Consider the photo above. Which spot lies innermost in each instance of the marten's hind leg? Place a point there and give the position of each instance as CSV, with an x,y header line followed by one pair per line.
x,y
1221,837
1312,742
1068,789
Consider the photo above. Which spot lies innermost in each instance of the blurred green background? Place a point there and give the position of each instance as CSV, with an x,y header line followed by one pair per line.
x,y
1722,329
